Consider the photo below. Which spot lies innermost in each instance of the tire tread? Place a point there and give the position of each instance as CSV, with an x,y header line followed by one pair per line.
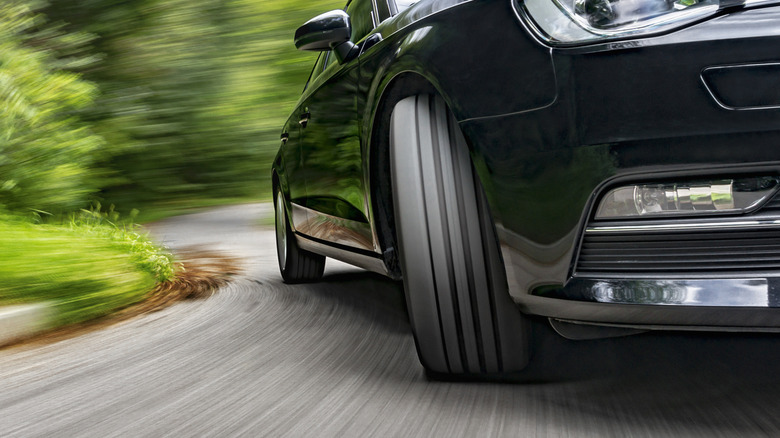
x,y
464,268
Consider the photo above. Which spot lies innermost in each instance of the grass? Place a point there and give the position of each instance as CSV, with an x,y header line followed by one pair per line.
x,y
91,263
86,268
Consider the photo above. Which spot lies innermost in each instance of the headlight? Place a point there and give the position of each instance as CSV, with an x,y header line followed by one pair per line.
x,y
578,21
721,196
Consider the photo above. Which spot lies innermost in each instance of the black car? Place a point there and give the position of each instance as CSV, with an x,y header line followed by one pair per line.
x,y
611,165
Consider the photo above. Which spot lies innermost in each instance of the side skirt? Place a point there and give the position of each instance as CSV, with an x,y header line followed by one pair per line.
x,y
372,263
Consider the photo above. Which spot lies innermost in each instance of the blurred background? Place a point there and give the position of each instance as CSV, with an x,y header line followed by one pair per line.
x,y
115,112
153,105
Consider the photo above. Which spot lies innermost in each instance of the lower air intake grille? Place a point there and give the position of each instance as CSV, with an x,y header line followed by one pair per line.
x,y
680,252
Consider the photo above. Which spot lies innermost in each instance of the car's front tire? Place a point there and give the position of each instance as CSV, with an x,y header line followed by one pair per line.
x,y
463,319
295,264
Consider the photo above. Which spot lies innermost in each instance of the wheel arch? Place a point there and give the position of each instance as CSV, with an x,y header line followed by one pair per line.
x,y
278,184
397,87
277,169
274,179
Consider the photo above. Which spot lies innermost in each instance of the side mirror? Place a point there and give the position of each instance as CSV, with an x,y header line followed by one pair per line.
x,y
329,31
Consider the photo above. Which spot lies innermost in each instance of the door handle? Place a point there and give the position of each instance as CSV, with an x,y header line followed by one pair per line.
x,y
285,137
304,119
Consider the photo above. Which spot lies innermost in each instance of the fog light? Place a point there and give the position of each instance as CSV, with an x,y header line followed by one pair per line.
x,y
724,195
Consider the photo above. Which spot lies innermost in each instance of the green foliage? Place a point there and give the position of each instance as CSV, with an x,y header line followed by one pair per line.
x,y
185,99
127,237
83,274
141,103
269,73
45,150
194,92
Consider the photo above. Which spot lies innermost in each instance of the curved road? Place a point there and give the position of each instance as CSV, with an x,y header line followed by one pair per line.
x,y
261,358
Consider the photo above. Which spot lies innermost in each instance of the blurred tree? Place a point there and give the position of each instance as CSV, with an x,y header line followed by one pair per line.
x,y
185,98
194,92
269,72
46,150
161,79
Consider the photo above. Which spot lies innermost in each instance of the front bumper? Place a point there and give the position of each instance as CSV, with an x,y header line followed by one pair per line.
x,y
747,304
628,112
712,272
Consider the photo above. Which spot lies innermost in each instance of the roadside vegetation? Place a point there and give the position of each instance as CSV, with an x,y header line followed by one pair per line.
x,y
156,106
81,270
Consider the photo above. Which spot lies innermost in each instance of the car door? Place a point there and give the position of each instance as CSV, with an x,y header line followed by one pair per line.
x,y
292,157
331,151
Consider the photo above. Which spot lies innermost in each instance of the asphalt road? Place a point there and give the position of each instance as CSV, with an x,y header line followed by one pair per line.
x,y
337,358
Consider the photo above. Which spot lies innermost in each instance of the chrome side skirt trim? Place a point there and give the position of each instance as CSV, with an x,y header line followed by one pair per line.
x,y
333,229
371,263
299,215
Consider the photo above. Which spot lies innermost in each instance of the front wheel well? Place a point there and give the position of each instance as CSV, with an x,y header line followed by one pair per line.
x,y
401,87
274,181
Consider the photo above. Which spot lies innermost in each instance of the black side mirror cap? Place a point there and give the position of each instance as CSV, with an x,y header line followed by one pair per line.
x,y
328,31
